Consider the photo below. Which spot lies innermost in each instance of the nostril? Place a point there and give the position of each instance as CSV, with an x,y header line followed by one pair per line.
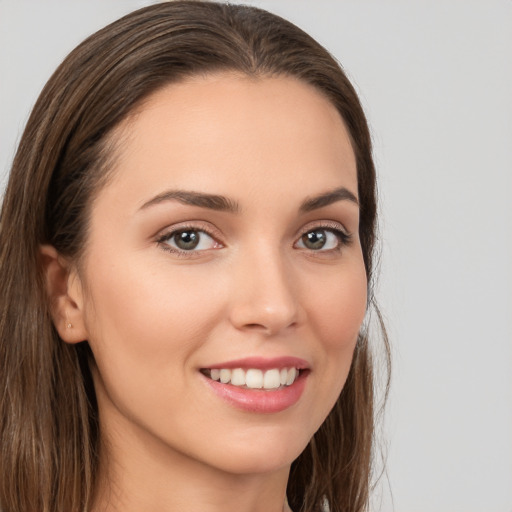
x,y
255,326
268,329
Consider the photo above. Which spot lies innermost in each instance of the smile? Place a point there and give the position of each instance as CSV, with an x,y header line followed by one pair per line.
x,y
258,384
254,378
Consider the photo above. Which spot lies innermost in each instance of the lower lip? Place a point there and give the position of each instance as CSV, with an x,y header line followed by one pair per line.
x,y
259,400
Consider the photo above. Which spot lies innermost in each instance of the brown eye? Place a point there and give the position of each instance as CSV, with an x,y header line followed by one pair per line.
x,y
323,239
189,240
314,240
186,240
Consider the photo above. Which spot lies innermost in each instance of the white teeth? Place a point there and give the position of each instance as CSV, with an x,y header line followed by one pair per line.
x,y
255,378
238,377
225,376
272,380
292,373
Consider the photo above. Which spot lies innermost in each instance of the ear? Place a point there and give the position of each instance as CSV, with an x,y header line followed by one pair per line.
x,y
65,293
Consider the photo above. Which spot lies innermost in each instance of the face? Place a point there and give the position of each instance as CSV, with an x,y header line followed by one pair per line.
x,y
225,284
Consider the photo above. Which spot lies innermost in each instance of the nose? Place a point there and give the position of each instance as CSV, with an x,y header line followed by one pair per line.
x,y
263,297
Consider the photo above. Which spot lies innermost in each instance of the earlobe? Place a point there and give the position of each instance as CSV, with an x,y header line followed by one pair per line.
x,y
65,294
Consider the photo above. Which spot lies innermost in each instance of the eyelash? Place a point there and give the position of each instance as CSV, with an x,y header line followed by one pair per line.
x,y
344,239
161,240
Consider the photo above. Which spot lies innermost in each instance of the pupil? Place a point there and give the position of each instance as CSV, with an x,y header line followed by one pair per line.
x,y
314,239
187,240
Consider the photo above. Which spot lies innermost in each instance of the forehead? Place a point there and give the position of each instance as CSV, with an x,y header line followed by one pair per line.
x,y
235,132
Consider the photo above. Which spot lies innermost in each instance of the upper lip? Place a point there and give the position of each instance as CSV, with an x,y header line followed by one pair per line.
x,y
263,363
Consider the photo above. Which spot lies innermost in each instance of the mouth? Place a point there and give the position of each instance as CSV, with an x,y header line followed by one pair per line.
x,y
255,378
259,385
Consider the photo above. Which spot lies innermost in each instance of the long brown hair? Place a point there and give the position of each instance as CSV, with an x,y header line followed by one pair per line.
x,y
49,432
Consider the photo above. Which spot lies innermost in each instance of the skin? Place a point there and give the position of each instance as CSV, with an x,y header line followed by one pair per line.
x,y
154,317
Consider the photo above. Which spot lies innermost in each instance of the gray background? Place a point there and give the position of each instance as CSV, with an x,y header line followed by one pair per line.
x,y
436,81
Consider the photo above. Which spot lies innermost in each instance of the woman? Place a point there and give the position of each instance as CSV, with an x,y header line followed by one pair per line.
x,y
186,262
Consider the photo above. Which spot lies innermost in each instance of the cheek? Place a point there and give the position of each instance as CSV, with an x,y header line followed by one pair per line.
x,y
336,318
340,310
145,328
141,300
147,322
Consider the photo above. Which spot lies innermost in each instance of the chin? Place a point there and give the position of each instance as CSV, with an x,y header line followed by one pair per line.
x,y
263,454
254,464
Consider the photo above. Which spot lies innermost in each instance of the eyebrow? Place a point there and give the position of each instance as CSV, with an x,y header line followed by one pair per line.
x,y
224,204
210,201
327,198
